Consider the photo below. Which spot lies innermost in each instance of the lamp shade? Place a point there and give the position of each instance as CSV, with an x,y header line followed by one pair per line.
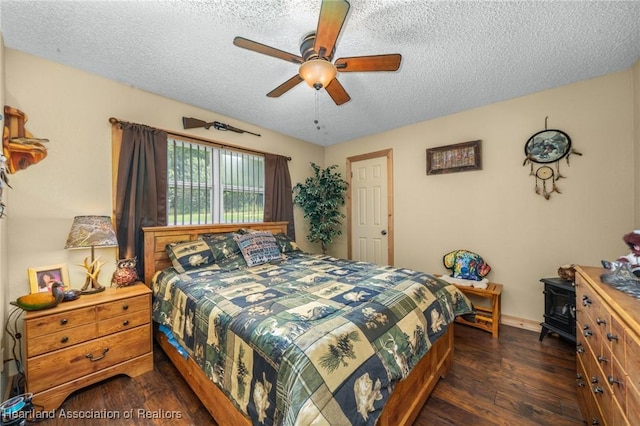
x,y
317,73
91,231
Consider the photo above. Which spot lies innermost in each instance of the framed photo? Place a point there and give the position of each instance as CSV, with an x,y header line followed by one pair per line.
x,y
41,278
459,157
547,146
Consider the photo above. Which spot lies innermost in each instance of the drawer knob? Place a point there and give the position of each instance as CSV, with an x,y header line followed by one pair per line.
x,y
586,301
598,389
602,359
64,321
611,337
588,333
125,322
600,321
125,307
580,350
594,379
97,358
65,339
613,380
595,421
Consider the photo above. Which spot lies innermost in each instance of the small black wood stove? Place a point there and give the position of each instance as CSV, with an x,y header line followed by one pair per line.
x,y
559,308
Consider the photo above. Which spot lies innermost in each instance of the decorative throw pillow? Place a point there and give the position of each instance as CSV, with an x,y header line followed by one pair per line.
x,y
258,247
466,265
286,244
222,245
189,255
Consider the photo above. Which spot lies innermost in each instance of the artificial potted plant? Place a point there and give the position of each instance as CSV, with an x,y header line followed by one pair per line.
x,y
320,197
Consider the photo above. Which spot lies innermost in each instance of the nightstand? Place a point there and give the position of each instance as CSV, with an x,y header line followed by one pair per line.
x,y
87,340
487,317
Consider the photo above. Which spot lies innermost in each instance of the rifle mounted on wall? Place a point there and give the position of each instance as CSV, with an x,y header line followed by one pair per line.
x,y
194,123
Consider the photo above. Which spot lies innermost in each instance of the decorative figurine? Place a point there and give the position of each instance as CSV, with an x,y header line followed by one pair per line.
x,y
125,273
632,239
44,300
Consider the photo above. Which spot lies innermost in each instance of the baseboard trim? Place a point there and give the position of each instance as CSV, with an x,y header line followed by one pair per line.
x,y
523,323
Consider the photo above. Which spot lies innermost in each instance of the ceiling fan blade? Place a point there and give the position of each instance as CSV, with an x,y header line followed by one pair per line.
x,y
369,63
332,16
286,86
267,50
337,92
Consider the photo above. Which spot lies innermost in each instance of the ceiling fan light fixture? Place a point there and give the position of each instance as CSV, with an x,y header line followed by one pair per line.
x,y
318,73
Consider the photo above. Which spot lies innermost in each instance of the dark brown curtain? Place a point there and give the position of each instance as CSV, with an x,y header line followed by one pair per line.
x,y
141,188
278,195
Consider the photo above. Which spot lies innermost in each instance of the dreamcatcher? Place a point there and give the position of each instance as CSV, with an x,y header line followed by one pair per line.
x,y
546,147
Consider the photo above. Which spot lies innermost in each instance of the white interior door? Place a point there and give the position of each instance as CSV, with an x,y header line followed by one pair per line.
x,y
369,211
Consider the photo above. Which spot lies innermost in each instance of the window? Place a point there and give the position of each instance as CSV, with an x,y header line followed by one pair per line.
x,y
207,185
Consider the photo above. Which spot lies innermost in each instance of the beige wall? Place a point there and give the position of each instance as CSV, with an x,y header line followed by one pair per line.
x,y
636,145
71,108
495,211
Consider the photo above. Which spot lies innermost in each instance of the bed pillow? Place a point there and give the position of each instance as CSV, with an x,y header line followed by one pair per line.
x,y
222,245
258,247
286,244
233,262
189,255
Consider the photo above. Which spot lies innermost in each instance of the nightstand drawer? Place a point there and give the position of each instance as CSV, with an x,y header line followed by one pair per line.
x,y
123,322
58,322
120,307
55,368
61,339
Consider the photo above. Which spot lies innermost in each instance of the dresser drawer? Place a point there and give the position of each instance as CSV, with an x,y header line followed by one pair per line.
x,y
618,417
120,307
124,322
633,403
58,322
586,302
55,368
632,356
615,339
618,379
61,339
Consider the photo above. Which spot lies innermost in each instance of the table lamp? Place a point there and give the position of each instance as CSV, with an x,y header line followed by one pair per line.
x,y
91,231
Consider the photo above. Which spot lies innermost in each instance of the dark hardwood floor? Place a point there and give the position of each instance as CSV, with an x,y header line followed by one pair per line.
x,y
513,380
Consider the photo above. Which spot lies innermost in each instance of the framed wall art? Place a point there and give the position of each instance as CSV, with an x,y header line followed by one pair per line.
x,y
460,157
41,278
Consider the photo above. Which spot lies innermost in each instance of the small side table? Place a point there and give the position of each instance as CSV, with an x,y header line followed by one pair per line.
x,y
487,317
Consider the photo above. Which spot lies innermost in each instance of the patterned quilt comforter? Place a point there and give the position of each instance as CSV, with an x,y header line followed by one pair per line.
x,y
310,340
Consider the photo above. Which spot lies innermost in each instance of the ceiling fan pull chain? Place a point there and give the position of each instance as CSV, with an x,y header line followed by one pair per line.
x,y
317,120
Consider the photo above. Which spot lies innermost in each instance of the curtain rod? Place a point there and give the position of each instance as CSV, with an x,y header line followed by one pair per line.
x,y
114,120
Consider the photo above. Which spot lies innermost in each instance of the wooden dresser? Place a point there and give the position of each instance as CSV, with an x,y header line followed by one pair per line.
x,y
608,348
81,342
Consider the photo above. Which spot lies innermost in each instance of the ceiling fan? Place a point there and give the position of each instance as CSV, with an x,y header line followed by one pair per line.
x,y
317,49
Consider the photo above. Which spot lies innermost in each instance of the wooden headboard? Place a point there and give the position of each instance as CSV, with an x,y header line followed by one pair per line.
x,y
156,239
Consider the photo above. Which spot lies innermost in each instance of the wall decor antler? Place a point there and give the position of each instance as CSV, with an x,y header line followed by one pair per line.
x,y
19,146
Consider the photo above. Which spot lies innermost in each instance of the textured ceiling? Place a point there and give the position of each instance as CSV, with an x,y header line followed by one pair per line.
x,y
455,55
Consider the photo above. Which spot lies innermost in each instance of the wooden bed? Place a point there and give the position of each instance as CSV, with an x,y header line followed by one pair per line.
x,y
403,405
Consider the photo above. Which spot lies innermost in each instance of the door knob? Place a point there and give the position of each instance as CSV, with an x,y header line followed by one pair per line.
x,y
383,232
